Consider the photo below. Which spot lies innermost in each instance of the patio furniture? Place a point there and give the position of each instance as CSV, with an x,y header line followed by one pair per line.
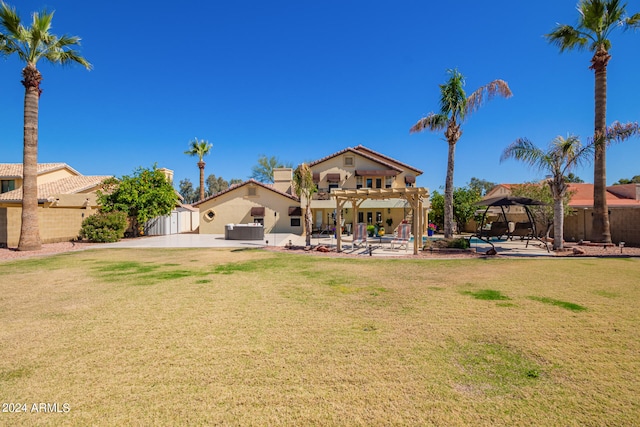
x,y
244,232
524,230
496,229
360,235
529,227
401,237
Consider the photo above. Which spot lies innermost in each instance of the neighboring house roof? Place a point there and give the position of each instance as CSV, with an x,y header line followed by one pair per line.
x,y
69,185
583,195
14,170
369,154
242,184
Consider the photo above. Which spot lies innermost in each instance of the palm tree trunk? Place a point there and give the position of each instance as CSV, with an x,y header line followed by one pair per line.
x,y
201,166
558,223
308,223
29,228
448,193
600,222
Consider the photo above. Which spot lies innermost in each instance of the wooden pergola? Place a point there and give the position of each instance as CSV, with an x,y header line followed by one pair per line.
x,y
415,196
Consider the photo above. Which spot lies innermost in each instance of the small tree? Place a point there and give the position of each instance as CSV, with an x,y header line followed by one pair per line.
x,y
216,185
305,188
263,171
187,191
145,195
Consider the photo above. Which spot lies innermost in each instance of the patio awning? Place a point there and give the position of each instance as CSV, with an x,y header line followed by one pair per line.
x,y
409,179
295,211
316,177
333,177
257,211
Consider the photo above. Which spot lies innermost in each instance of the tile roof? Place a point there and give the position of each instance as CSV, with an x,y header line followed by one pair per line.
x,y
69,185
361,148
14,170
242,184
361,153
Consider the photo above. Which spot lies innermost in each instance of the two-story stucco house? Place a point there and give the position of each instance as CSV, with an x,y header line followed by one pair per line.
x,y
279,210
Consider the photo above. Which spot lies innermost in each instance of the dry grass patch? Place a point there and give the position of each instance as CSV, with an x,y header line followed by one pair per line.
x,y
263,338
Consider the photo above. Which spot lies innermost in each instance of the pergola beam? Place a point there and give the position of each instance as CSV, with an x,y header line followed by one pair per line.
x,y
413,195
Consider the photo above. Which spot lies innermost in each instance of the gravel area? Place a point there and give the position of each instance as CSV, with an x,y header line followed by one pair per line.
x,y
55,248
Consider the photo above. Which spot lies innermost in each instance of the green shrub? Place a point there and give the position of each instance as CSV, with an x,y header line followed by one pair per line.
x,y
104,227
460,243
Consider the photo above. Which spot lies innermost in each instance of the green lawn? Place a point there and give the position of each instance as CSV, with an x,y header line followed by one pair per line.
x,y
249,337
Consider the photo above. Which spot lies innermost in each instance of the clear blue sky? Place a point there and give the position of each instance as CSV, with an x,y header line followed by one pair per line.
x,y
303,79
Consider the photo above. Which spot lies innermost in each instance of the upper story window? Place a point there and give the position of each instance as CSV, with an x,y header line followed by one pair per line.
x,y
358,181
8,185
388,182
378,182
349,161
369,183
252,191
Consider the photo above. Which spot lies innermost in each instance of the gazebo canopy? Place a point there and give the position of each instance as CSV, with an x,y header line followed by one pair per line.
x,y
509,201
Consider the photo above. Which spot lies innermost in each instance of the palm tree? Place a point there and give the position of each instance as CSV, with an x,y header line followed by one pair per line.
x,y
32,44
596,22
199,148
305,188
455,106
562,155
560,158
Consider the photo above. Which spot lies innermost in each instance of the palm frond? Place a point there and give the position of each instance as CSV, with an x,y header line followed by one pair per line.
x,y
524,150
620,132
453,99
632,22
9,19
566,37
431,122
487,93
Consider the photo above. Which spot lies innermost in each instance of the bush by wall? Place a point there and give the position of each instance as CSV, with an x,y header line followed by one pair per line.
x,y
104,227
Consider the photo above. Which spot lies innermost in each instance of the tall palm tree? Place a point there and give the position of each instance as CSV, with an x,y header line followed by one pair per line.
x,y
199,148
32,44
560,158
596,22
455,106
304,187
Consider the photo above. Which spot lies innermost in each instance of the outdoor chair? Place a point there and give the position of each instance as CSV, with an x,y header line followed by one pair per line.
x,y
497,229
360,235
401,237
524,230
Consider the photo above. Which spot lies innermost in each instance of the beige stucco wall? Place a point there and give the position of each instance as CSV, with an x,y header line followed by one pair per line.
x,y
54,176
624,223
56,224
234,207
348,173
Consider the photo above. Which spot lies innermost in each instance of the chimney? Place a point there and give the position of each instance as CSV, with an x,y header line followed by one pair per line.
x,y
282,179
168,173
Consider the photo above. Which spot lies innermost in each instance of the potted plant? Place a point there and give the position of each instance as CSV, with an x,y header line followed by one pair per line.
x,y
431,228
389,222
371,229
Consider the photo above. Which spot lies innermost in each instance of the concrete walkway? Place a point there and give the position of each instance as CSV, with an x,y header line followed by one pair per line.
x,y
381,247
